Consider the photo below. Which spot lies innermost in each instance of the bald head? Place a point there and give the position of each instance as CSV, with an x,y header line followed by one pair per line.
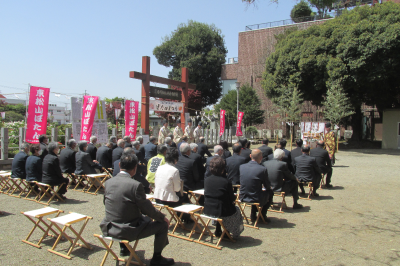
x,y
320,143
256,155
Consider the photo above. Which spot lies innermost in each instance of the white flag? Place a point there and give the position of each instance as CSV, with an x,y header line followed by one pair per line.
x,y
57,95
16,96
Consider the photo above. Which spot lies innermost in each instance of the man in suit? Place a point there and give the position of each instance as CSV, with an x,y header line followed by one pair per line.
x,y
168,142
67,157
218,151
138,153
84,163
282,180
117,152
203,149
18,164
245,151
129,214
296,152
233,164
265,150
173,143
43,140
271,156
307,170
252,178
150,149
113,140
127,141
91,149
188,170
141,149
197,158
183,140
104,155
323,161
287,158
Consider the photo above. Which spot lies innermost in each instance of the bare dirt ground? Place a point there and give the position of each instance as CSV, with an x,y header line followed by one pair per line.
x,y
354,223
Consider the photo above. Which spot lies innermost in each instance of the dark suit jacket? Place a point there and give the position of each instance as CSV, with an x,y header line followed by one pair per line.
x,y
173,145
295,153
218,197
115,145
43,147
84,164
137,176
322,158
18,165
179,146
104,156
265,150
252,177
202,150
208,173
270,157
150,150
189,174
226,154
33,168
233,164
92,150
67,160
128,144
116,154
125,205
51,170
142,151
200,166
306,168
288,160
277,172
246,154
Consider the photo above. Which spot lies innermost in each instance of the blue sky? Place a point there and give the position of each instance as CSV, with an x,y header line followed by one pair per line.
x,y
73,46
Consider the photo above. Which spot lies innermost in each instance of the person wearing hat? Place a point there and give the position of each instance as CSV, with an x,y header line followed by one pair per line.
x,y
197,133
178,133
330,143
163,133
189,131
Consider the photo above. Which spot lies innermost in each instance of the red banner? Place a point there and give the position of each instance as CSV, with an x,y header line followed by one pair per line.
x,y
221,122
88,112
239,125
131,118
37,114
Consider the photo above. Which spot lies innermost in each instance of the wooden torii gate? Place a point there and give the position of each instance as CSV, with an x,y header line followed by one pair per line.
x,y
146,78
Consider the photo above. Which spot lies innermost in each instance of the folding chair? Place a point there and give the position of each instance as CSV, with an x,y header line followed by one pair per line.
x,y
108,171
67,221
196,195
158,206
206,228
4,182
40,223
131,249
237,190
322,184
46,190
80,180
31,185
73,179
189,209
310,190
16,185
96,181
281,205
242,206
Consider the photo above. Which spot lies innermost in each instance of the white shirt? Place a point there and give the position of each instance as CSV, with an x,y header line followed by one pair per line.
x,y
167,182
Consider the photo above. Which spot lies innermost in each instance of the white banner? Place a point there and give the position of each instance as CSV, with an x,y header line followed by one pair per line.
x,y
166,106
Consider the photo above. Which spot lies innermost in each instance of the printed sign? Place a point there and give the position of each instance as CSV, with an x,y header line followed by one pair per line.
x,y
165,93
166,106
239,125
88,113
131,118
221,122
37,113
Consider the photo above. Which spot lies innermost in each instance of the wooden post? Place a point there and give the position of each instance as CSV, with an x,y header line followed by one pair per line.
x,y
21,135
54,134
68,132
206,136
4,143
211,136
145,94
185,98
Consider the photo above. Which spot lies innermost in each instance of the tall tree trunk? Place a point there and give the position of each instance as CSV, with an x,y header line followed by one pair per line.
x,y
356,124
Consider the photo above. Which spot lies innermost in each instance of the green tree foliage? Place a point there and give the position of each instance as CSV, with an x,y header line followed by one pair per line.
x,y
359,49
337,104
249,104
301,12
13,116
199,47
322,6
117,103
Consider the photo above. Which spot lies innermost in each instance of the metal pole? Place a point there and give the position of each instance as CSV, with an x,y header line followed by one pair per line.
x,y
26,110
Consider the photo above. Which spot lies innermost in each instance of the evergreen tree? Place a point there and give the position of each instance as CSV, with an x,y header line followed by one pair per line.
x,y
301,12
337,104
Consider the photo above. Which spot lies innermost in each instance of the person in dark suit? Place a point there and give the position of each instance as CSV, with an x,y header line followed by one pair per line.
x,y
253,177
281,179
33,166
173,144
127,141
218,151
84,163
233,164
168,142
141,149
91,149
265,150
129,214
104,155
188,170
245,151
67,158
43,140
307,170
287,158
19,162
197,158
184,139
296,152
113,140
271,156
117,152
323,161
52,171
150,149
141,161
226,153
203,149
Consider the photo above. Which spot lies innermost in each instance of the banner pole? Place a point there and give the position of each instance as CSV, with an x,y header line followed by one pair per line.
x,y
26,110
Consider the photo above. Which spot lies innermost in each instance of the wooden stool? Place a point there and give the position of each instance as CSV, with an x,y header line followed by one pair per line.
x,y
322,181
73,179
310,190
281,205
80,179
4,182
39,214
67,221
16,185
96,180
189,209
242,206
237,191
126,243
31,185
196,195
46,190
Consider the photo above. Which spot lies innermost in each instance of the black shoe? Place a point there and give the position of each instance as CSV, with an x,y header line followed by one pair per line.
x,y
297,206
328,186
217,233
316,194
302,192
188,221
162,261
124,252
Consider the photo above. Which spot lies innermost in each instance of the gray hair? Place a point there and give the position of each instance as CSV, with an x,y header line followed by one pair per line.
x,y
161,149
53,145
184,148
71,143
167,140
135,143
202,139
193,146
121,143
217,148
82,145
93,138
112,138
278,154
139,138
24,145
129,150
152,138
127,138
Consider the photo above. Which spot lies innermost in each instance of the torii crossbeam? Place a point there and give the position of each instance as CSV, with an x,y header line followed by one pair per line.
x,y
146,78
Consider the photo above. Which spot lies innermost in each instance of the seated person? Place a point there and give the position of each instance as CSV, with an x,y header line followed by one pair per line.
x,y
168,142
296,152
104,155
307,170
287,158
168,181
265,149
52,171
203,149
44,141
218,152
245,151
323,161
197,158
253,177
224,145
233,164
282,180
129,214
271,156
188,170
155,162
173,144
150,149
34,164
84,163
142,168
19,162
116,153
92,149
219,200
184,139
127,141
113,140
67,157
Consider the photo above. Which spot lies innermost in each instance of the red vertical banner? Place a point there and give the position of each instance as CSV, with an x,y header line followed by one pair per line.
x,y
88,112
239,125
221,122
37,113
131,118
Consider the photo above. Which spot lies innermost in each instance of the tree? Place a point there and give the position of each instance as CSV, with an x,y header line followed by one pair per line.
x,y
359,50
201,48
337,104
301,12
13,116
116,103
249,104
322,6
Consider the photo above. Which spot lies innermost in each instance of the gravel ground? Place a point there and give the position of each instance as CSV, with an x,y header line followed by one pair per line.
x,y
354,223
